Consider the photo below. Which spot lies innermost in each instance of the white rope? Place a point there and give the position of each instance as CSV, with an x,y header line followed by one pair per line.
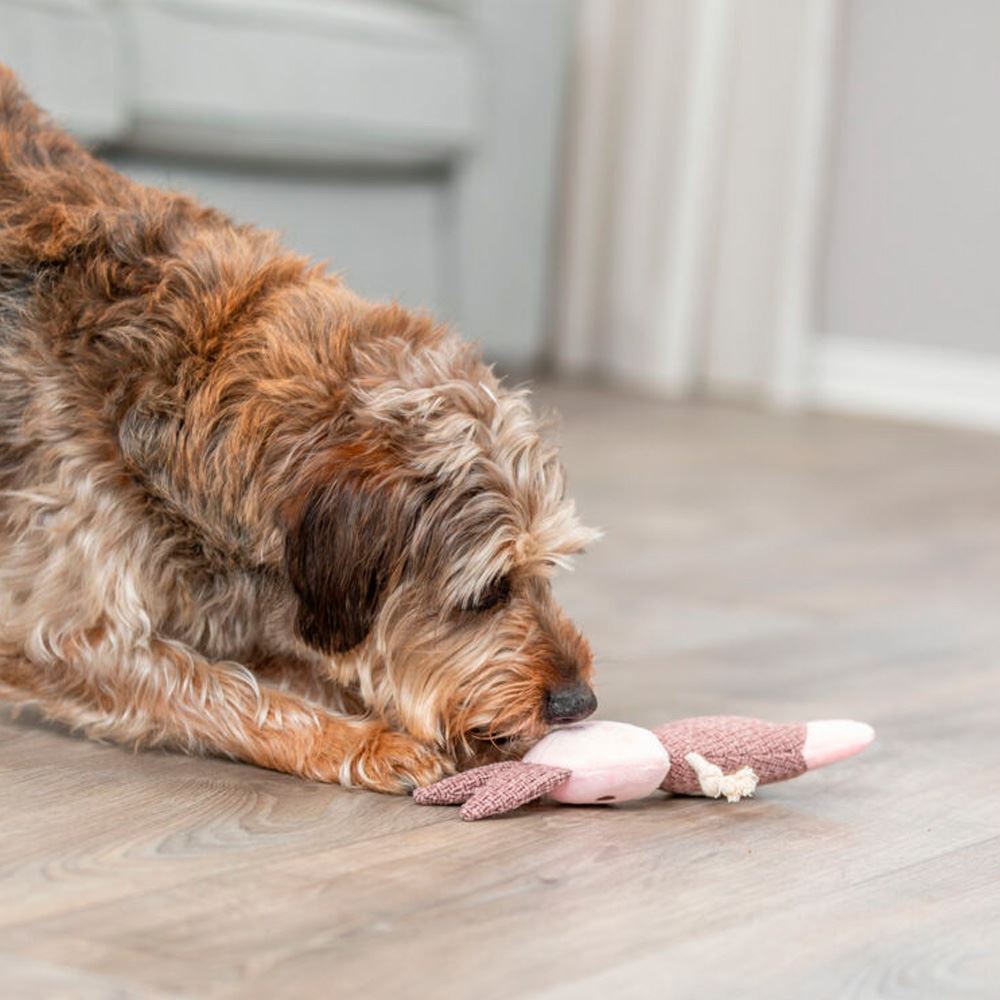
x,y
742,784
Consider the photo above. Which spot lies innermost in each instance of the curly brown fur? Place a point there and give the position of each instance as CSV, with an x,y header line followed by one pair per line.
x,y
244,511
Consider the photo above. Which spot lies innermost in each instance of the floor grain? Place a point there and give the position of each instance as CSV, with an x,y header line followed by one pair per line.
x,y
791,567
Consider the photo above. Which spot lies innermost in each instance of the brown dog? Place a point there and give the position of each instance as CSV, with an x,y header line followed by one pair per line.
x,y
243,511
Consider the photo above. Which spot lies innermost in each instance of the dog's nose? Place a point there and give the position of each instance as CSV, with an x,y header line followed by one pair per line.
x,y
570,703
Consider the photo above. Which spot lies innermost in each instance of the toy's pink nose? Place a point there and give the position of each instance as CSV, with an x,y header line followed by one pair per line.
x,y
570,703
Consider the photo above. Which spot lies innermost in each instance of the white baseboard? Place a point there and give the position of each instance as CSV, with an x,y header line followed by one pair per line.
x,y
939,385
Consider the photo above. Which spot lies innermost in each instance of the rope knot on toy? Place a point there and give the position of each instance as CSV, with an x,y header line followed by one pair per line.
x,y
739,785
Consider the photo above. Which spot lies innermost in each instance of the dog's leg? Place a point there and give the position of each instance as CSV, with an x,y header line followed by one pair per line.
x,y
308,681
161,693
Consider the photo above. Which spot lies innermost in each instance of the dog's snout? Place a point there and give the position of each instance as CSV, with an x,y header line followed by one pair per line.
x,y
570,703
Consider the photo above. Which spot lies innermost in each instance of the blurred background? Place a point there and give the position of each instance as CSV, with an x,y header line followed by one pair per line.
x,y
785,201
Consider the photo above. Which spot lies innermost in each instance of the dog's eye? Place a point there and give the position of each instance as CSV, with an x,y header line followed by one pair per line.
x,y
492,596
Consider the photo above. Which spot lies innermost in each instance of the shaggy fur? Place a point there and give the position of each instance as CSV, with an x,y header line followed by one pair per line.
x,y
242,510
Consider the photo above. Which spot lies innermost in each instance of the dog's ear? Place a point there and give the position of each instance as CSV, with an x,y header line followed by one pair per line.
x,y
342,546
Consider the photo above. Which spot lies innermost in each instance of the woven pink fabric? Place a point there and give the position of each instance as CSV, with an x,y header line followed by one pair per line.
x,y
772,749
461,787
495,788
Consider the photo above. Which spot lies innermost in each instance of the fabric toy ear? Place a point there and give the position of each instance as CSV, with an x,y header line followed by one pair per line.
x,y
495,788
517,788
461,787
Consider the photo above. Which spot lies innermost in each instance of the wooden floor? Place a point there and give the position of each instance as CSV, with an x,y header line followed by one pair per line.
x,y
786,567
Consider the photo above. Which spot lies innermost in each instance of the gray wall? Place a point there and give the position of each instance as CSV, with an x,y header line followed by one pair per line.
x,y
914,220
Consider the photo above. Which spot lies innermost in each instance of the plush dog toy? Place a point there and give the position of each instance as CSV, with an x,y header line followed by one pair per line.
x,y
603,762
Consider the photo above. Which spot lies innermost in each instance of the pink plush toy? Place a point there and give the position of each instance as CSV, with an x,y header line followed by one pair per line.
x,y
592,762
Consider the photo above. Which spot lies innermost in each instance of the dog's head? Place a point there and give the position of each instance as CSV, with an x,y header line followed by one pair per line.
x,y
420,544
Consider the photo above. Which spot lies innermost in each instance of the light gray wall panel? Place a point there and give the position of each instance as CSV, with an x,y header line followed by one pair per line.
x,y
504,197
66,53
914,225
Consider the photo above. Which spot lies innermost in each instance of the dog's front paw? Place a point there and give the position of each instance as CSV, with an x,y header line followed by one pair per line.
x,y
393,762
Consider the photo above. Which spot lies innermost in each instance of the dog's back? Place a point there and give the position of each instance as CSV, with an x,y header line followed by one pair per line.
x,y
73,238
104,289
